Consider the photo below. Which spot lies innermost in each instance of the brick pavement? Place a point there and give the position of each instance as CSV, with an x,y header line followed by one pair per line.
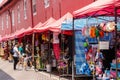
x,y
7,73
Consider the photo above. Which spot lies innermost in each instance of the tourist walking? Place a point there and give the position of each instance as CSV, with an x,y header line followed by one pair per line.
x,y
15,56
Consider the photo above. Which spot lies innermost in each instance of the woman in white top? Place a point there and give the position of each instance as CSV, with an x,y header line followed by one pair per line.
x,y
15,55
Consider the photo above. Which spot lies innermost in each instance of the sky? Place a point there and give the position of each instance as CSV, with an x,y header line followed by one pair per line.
x,y
1,1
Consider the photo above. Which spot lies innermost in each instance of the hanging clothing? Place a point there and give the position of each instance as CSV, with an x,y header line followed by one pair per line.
x,y
55,37
56,50
99,56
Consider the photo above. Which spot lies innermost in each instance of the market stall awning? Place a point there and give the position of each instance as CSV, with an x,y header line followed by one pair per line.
x,y
99,7
12,36
28,31
16,34
4,38
19,33
56,26
43,27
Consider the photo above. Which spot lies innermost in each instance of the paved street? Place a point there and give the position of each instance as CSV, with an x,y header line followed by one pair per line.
x,y
7,73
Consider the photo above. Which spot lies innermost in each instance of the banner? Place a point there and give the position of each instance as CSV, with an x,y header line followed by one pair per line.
x,y
80,51
104,45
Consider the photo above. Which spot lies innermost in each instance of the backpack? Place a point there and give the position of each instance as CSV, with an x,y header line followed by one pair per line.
x,y
12,51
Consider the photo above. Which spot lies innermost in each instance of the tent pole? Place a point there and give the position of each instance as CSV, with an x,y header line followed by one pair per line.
x,y
33,43
115,15
49,50
73,45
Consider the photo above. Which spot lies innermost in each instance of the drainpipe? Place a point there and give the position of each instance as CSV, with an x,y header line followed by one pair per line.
x,y
9,12
60,7
10,15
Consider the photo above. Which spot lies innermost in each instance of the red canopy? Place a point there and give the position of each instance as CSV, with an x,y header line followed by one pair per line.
x,y
44,26
99,7
28,31
56,26
19,33
12,36
16,34
4,38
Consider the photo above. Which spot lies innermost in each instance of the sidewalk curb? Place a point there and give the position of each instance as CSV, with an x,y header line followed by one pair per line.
x,y
52,76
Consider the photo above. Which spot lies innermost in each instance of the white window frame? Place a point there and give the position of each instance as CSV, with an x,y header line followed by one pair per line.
x,y
46,3
25,9
13,18
7,20
18,15
2,24
34,7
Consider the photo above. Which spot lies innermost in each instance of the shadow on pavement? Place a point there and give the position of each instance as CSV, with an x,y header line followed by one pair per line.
x,y
5,76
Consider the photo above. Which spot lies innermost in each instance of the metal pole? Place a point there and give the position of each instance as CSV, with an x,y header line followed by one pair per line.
x,y
49,49
33,42
115,15
73,45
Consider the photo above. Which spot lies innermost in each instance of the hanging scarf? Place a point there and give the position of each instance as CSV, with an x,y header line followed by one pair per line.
x,y
92,32
97,32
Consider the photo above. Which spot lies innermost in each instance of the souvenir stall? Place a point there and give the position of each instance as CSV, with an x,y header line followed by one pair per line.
x,y
1,50
42,45
46,50
64,64
4,53
96,9
10,46
42,50
61,45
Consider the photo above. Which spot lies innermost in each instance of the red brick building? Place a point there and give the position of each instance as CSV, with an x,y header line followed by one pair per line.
x,y
17,14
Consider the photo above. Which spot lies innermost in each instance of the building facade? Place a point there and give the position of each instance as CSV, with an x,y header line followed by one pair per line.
x,y
17,14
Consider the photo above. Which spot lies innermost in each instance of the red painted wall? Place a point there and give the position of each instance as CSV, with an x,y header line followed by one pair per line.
x,y
24,23
6,30
70,6
56,9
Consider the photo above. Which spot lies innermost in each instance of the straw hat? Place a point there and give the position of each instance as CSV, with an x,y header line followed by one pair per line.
x,y
110,26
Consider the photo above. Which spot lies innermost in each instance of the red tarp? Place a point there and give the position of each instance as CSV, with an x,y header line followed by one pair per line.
x,y
28,31
38,28
44,26
16,34
4,38
56,26
19,33
99,7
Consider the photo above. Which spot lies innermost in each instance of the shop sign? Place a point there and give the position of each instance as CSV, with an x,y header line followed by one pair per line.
x,y
104,45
